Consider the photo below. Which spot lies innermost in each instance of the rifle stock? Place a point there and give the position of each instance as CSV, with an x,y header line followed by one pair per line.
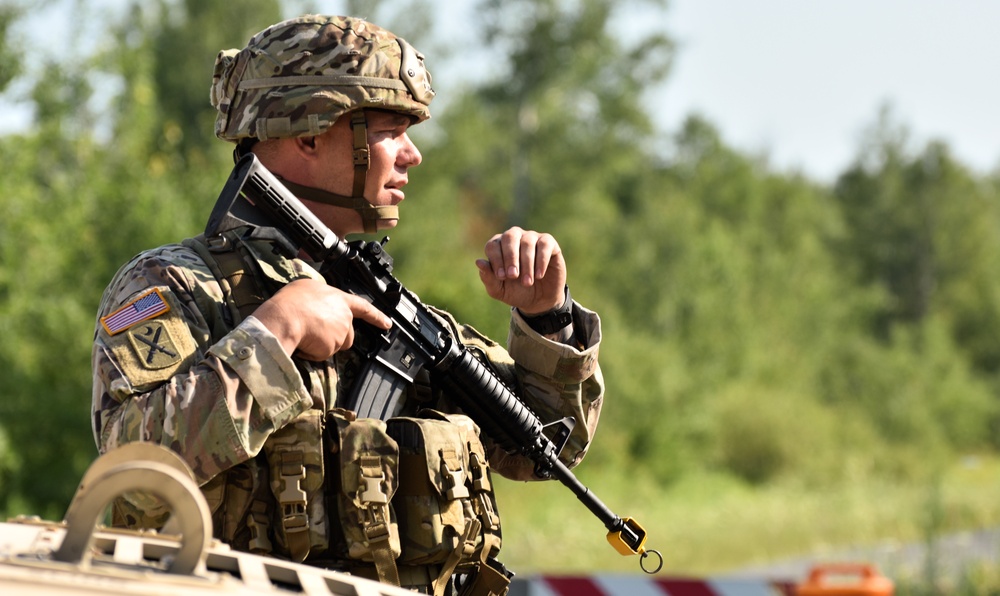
x,y
417,340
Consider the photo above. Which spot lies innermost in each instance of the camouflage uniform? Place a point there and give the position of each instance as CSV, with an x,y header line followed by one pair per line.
x,y
215,391
175,362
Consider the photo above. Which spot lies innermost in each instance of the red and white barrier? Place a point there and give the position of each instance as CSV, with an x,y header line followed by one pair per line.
x,y
632,585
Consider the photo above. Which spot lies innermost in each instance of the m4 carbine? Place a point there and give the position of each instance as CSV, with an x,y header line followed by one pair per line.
x,y
417,339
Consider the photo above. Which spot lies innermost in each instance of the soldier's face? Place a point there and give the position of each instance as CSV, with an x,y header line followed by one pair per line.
x,y
391,155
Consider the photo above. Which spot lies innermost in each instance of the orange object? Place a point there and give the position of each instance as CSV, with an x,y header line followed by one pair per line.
x,y
845,579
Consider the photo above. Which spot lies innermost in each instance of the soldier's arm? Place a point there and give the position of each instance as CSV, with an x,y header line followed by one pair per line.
x,y
555,379
558,379
163,379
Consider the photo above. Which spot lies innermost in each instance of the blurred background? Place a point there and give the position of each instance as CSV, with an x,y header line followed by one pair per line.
x,y
786,214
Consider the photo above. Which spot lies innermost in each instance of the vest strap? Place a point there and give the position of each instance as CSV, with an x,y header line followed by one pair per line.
x,y
292,501
375,518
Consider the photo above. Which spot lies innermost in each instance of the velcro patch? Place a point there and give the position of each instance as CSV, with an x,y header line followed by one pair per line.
x,y
145,307
155,344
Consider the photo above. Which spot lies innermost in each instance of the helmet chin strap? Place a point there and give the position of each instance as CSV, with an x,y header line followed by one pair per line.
x,y
370,214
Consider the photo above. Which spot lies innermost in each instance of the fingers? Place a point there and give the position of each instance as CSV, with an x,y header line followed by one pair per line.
x,y
520,254
499,251
527,260
345,343
544,251
315,320
364,310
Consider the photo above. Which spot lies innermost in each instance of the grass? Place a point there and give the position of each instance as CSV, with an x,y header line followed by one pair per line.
x,y
708,524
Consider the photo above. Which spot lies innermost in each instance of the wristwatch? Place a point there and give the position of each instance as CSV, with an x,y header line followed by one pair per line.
x,y
549,322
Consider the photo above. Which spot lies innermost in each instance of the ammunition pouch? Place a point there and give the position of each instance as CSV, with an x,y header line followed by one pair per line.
x,y
445,502
362,480
296,461
414,499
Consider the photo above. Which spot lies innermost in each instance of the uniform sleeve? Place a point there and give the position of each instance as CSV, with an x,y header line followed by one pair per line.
x,y
554,379
557,380
160,377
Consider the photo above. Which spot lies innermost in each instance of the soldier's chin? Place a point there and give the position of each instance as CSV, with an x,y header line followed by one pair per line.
x,y
387,224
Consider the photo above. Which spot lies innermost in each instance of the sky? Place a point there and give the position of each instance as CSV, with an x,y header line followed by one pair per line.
x,y
801,80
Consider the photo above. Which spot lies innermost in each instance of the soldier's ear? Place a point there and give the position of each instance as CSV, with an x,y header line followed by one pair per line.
x,y
306,143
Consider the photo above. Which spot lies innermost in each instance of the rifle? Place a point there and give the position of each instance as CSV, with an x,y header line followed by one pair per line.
x,y
417,340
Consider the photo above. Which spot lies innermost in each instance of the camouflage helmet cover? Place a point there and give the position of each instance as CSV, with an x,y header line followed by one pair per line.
x,y
297,77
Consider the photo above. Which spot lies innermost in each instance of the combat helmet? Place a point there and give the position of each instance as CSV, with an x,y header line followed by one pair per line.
x,y
296,78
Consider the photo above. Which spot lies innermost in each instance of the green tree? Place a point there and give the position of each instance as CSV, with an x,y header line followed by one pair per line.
x,y
86,189
41,310
923,228
724,271
555,140
184,38
11,54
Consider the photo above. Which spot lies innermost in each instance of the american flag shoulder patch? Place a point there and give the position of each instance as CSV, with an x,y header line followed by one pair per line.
x,y
145,307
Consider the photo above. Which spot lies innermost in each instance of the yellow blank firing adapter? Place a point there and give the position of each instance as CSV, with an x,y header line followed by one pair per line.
x,y
633,542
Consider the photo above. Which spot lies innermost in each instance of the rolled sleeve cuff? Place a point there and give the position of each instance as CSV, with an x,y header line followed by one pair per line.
x,y
257,358
561,362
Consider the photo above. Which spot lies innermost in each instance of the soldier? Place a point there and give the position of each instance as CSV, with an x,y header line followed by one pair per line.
x,y
234,355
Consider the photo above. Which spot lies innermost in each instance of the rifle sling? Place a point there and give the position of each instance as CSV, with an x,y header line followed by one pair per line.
x,y
228,263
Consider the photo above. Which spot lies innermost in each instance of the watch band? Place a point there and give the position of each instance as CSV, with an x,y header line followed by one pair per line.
x,y
554,320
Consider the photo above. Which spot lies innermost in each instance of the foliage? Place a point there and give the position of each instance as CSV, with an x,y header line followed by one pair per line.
x,y
925,230
74,209
10,52
759,327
